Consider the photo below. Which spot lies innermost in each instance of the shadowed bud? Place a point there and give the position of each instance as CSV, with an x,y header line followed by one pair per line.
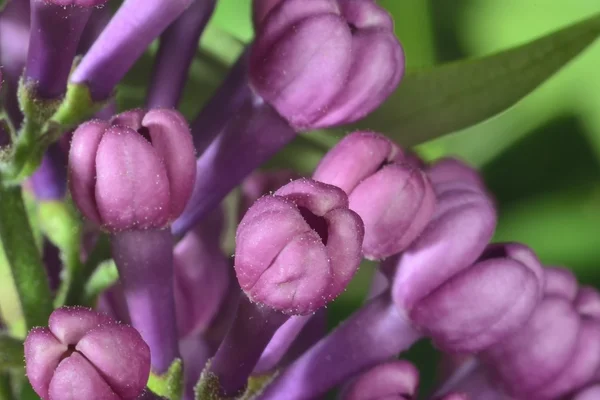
x,y
393,380
56,27
315,83
298,249
465,305
392,195
87,353
555,352
136,172
587,302
560,282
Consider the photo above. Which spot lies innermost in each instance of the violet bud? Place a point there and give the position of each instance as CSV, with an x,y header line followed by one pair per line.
x,y
136,172
201,275
560,282
587,302
87,353
56,27
133,27
393,380
481,304
298,249
392,195
314,83
555,352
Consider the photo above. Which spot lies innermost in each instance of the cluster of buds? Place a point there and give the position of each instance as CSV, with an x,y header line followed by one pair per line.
x,y
254,326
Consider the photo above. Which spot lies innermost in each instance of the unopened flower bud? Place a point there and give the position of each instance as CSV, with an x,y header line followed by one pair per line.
x,y
298,249
589,393
560,282
260,183
393,380
587,302
555,352
315,83
135,172
392,195
86,353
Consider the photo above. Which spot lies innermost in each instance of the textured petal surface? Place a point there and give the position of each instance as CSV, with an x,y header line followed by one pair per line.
x,y
132,188
479,306
120,356
76,379
82,167
70,324
354,158
43,352
172,142
560,282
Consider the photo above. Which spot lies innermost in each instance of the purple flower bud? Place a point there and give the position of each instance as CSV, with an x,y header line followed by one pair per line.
x,y
201,276
298,249
49,181
392,196
56,27
393,380
261,8
86,353
481,304
315,83
134,26
462,226
587,302
554,353
136,172
560,282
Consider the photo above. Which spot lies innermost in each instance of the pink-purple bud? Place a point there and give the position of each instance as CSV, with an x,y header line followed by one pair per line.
x,y
393,380
298,249
589,393
587,302
465,305
136,172
392,195
560,282
554,353
88,354
319,83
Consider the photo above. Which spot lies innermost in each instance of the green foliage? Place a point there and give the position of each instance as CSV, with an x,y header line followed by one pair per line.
x,y
169,385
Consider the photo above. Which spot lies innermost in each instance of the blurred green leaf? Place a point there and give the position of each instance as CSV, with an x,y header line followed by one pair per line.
x,y
440,100
62,225
104,276
11,353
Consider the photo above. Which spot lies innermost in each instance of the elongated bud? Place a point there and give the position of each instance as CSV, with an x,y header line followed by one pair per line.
x,y
135,172
397,380
392,195
87,353
314,83
297,249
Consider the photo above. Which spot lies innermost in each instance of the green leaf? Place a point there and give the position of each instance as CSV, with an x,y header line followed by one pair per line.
x,y
62,225
440,100
169,385
23,256
11,353
104,276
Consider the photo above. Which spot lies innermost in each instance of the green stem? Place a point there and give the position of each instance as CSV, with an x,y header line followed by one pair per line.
x,y
23,257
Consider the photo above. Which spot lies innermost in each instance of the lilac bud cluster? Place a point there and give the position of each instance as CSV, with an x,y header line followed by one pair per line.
x,y
253,325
